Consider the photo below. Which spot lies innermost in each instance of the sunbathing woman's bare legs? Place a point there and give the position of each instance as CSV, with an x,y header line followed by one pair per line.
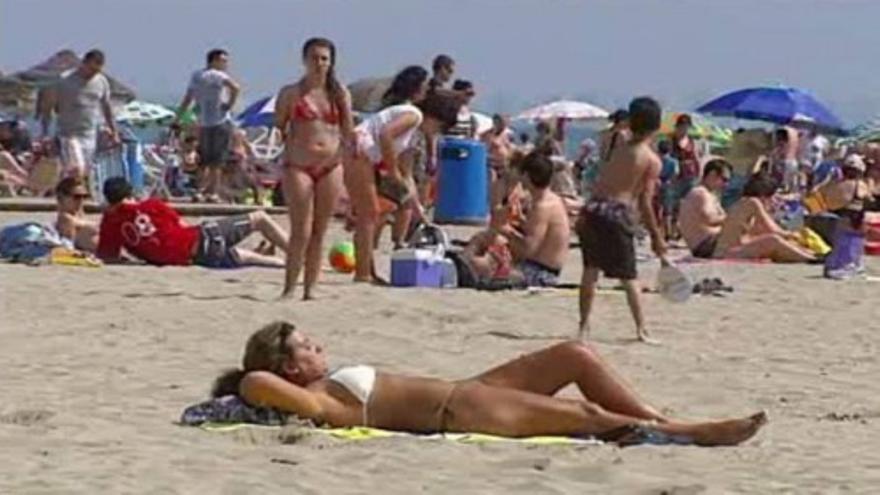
x,y
771,246
749,215
475,406
547,371
738,222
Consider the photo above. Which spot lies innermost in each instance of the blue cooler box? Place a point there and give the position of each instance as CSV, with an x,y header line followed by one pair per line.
x,y
463,183
416,268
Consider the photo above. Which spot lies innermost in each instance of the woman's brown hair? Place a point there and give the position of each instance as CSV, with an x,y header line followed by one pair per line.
x,y
332,86
266,350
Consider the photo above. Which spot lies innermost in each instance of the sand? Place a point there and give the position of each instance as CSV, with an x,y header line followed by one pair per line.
x,y
97,365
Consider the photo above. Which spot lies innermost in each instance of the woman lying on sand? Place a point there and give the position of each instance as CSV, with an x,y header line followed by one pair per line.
x,y
286,370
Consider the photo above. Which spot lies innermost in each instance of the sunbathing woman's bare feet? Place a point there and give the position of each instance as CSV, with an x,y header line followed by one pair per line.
x,y
729,432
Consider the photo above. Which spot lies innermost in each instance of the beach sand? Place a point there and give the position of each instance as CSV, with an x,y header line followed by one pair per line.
x,y
97,365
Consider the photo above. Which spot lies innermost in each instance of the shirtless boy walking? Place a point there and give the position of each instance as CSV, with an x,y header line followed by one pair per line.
x,y
607,224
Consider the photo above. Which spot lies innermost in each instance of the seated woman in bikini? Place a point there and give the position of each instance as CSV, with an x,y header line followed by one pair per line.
x,y
850,197
746,231
378,165
314,116
284,369
71,222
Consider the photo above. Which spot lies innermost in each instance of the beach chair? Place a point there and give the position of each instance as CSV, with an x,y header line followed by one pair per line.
x,y
158,166
125,160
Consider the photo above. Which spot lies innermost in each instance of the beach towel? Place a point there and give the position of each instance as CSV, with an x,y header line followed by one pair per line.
x,y
361,433
809,239
231,413
34,244
722,261
30,242
73,257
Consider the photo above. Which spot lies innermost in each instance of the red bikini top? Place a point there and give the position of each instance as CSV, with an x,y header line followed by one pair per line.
x,y
302,110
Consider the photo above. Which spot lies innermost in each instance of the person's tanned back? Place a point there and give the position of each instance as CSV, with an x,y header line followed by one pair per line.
x,y
624,177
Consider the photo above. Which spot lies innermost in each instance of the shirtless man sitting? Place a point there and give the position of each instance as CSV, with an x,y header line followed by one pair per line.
x,y
540,246
747,231
606,226
71,221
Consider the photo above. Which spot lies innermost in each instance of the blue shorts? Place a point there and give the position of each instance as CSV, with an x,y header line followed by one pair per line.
x,y
538,274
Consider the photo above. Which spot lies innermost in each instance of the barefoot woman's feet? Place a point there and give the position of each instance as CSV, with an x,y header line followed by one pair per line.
x,y
730,432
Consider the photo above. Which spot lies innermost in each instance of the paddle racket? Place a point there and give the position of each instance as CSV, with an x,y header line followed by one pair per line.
x,y
673,283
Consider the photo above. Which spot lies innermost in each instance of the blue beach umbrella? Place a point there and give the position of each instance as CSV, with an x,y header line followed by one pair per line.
x,y
779,105
259,114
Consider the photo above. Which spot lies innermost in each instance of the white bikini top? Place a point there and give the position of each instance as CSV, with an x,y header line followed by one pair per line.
x,y
371,129
358,380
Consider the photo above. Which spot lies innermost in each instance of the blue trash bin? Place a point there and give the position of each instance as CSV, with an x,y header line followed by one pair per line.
x,y
462,183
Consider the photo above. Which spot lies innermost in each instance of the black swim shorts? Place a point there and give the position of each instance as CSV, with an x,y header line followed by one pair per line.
x,y
607,237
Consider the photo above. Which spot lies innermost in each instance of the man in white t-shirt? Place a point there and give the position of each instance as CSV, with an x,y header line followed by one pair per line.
x,y
79,100
207,88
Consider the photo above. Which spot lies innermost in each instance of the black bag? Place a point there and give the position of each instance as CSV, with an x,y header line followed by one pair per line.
x,y
466,276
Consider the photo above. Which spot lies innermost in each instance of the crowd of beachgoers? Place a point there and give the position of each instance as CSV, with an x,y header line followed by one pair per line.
x,y
793,194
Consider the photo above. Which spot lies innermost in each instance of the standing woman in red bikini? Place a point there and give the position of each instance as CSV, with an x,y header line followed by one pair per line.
x,y
315,118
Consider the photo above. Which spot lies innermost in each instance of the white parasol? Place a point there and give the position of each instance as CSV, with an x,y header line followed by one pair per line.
x,y
563,109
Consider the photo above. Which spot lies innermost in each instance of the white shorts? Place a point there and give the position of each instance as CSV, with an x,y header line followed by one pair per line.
x,y
77,155
366,146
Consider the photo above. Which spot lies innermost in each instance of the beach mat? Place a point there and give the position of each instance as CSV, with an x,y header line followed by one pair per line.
x,y
362,433
722,261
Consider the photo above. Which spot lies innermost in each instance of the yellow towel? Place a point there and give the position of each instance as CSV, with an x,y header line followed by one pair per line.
x,y
813,241
72,257
359,433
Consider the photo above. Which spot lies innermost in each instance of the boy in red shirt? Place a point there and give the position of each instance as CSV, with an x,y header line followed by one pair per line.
x,y
154,232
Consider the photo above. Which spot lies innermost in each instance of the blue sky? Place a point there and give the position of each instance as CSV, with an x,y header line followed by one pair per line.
x,y
517,52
